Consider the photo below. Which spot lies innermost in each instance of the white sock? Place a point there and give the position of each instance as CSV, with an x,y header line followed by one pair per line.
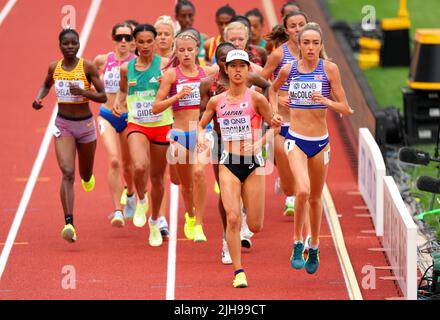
x,y
290,200
153,221
143,201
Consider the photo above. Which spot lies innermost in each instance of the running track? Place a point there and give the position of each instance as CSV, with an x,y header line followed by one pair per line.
x,y
118,263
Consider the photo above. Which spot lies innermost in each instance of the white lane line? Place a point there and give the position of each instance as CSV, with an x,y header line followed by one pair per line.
x,y
6,9
270,12
42,152
172,245
351,282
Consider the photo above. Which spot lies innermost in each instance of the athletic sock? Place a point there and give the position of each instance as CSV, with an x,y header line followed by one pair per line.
x,y
238,271
143,201
69,219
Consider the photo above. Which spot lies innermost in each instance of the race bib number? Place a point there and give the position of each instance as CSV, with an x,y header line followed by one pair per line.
x,y
300,92
62,91
193,99
111,80
237,128
142,112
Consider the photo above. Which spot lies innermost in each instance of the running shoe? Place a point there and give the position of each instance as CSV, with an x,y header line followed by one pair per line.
x,y
188,229
307,243
155,238
289,209
245,233
163,227
240,280
216,188
140,216
199,236
130,206
297,259
123,200
226,257
69,233
312,262
89,185
117,219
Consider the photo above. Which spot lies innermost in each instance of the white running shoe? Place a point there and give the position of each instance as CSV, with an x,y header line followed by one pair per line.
x,y
163,226
118,219
245,233
226,257
130,207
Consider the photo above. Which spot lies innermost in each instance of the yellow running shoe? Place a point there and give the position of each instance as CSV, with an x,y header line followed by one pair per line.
x,y
199,236
69,233
188,229
240,280
216,188
155,238
123,200
140,215
89,185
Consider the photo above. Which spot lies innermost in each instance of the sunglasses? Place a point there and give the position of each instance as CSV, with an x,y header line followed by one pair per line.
x,y
119,37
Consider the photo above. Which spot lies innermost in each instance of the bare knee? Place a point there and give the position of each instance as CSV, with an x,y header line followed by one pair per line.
x,y
157,181
255,227
233,219
315,202
199,176
114,163
140,169
68,173
302,194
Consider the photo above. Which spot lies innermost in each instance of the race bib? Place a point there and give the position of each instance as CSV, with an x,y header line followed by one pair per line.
x,y
142,112
62,91
237,128
300,92
111,79
193,99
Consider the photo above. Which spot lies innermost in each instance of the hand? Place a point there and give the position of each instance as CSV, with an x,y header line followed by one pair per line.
x,y
284,101
116,110
251,147
201,142
37,104
75,90
277,120
318,98
186,90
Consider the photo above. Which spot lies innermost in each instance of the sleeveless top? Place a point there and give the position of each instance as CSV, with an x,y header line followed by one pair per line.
x,y
63,79
287,59
302,86
238,120
111,72
142,91
191,101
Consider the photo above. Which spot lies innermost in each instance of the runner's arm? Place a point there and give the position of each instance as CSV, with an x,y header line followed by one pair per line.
x,y
98,95
339,103
45,88
162,102
121,95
